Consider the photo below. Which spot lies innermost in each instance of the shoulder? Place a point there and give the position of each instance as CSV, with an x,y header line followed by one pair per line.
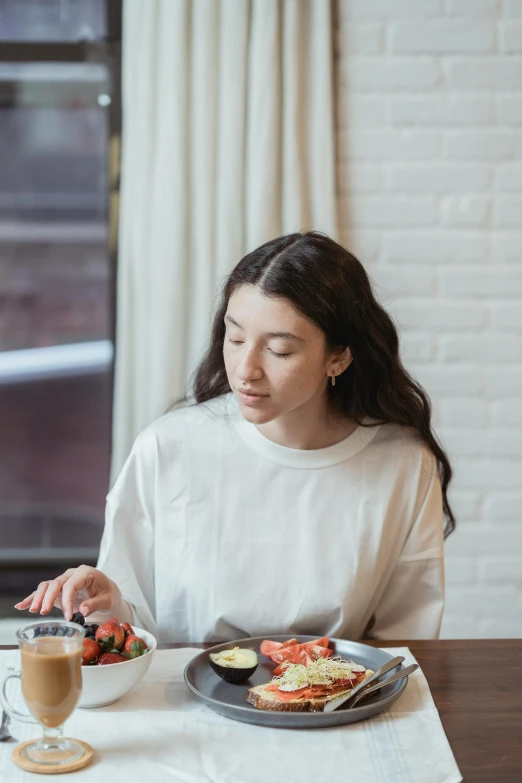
x,y
411,467
404,448
174,428
164,441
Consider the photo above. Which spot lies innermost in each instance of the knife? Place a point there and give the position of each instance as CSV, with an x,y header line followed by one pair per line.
x,y
330,706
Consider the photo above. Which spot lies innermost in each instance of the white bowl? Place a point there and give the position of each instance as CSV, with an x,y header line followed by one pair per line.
x,y
103,685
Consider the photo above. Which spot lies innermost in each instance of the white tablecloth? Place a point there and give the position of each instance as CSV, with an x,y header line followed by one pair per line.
x,y
160,733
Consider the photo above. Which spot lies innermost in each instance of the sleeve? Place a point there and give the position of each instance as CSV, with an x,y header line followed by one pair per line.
x,y
127,546
412,603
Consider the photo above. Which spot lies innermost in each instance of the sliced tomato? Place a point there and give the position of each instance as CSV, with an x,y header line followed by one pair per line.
x,y
290,643
284,654
304,658
266,647
298,656
297,652
316,651
300,653
322,642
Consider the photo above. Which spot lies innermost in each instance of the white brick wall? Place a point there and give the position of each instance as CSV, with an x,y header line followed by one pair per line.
x,y
430,181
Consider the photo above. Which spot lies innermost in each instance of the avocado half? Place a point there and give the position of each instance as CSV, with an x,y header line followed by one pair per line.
x,y
234,666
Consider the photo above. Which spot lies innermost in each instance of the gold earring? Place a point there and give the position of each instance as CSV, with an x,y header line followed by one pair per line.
x,y
333,379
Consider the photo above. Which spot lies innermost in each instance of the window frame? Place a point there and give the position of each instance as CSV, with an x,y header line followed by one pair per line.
x,y
23,567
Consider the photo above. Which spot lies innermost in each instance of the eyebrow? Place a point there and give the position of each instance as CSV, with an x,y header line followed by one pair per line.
x,y
283,335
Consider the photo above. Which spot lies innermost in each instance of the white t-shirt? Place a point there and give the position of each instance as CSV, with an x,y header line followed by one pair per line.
x,y
214,532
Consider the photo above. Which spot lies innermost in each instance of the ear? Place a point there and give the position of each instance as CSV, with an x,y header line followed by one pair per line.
x,y
346,357
341,361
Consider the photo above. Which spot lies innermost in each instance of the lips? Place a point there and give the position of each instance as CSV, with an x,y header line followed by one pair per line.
x,y
252,393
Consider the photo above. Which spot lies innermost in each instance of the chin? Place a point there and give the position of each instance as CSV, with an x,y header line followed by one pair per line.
x,y
256,416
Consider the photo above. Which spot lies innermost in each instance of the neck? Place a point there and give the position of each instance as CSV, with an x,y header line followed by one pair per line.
x,y
305,428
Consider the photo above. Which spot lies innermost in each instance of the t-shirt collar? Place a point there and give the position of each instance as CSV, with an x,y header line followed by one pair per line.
x,y
302,458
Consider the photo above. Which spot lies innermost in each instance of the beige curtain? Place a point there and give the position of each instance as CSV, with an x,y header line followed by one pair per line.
x,y
228,141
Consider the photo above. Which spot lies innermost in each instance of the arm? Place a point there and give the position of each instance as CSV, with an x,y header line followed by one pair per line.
x,y
412,603
127,547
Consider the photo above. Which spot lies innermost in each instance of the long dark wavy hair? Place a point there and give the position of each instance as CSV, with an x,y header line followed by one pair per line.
x,y
329,286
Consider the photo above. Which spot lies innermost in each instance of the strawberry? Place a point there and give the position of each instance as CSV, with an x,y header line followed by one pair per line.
x,y
110,635
133,646
90,651
110,657
127,628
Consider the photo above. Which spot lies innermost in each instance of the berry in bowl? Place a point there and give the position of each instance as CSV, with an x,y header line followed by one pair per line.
x,y
115,657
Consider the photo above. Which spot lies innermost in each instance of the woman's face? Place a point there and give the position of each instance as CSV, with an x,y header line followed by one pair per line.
x,y
275,352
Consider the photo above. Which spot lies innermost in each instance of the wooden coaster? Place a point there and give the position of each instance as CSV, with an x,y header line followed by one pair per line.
x,y
51,769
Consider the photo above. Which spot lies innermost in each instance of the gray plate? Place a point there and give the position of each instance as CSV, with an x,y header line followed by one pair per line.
x,y
229,700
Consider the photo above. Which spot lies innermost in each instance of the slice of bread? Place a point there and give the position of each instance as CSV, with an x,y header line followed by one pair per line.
x,y
267,700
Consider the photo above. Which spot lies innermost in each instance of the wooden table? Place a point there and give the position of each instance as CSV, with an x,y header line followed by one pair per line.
x,y
477,688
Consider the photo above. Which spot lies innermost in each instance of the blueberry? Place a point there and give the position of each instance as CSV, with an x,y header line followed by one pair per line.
x,y
61,631
89,633
78,618
52,630
69,632
41,630
94,627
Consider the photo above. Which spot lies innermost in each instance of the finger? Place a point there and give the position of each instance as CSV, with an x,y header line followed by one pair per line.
x,y
100,603
81,579
54,588
26,603
39,593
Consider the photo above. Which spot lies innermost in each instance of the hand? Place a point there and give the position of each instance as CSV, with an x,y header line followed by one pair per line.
x,y
83,589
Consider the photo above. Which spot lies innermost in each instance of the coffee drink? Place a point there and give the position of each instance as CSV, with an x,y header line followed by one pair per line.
x,y
51,679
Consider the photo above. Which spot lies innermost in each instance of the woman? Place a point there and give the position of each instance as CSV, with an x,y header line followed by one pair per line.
x,y
303,492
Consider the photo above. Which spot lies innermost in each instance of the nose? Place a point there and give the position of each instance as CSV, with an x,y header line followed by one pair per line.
x,y
249,367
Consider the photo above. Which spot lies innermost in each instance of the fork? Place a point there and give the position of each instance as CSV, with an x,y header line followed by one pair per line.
x,y
5,736
376,675
365,687
381,683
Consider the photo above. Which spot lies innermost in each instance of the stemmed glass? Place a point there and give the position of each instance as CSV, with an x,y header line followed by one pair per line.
x,y
51,685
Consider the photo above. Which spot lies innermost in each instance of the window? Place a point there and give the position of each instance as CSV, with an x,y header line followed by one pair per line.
x,y
53,20
60,123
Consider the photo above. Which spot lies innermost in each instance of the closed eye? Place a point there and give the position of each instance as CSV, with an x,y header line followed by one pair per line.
x,y
239,342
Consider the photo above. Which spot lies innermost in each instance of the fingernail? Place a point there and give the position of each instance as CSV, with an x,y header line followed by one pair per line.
x,y
67,616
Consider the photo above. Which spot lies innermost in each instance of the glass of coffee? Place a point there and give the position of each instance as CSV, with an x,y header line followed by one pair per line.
x,y
51,685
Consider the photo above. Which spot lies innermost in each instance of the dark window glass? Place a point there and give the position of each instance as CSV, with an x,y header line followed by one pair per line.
x,y
54,283
52,20
55,286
